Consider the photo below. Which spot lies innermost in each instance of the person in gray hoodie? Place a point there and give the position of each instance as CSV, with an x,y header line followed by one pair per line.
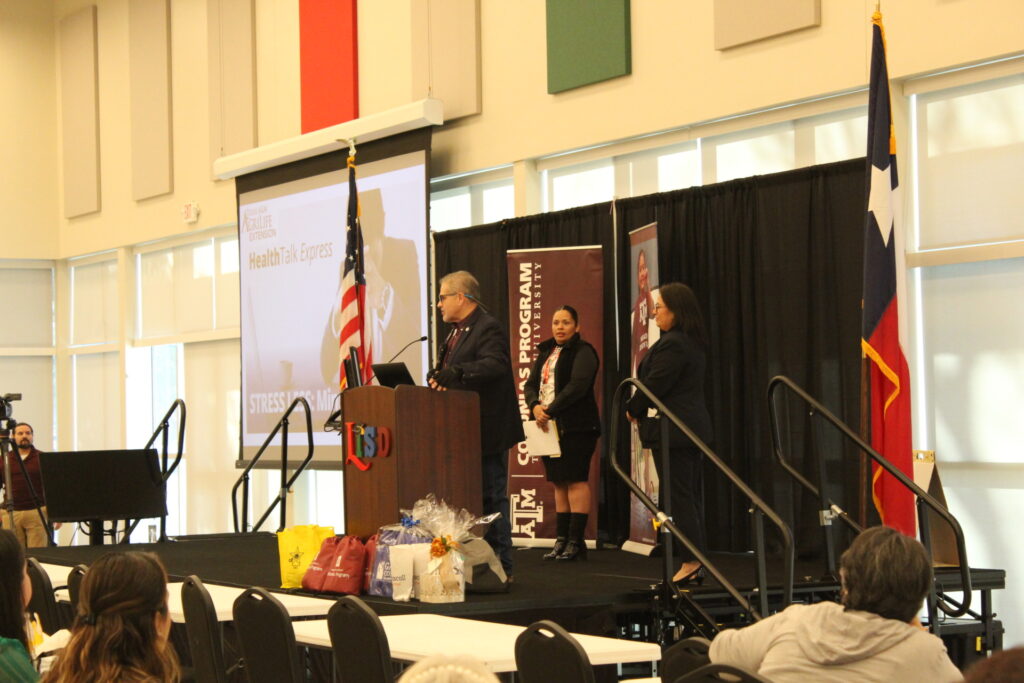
x,y
874,635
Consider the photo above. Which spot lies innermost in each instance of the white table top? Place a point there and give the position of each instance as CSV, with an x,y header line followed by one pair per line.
x,y
224,599
413,637
58,573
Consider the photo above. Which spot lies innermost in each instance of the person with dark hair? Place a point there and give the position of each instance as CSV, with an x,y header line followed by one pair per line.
x,y
673,370
26,490
15,593
475,357
121,628
1005,666
561,388
874,635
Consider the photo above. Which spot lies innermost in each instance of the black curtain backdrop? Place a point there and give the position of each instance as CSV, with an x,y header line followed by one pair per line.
x,y
776,262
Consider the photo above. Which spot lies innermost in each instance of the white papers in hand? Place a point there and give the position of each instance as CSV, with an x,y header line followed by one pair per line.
x,y
541,443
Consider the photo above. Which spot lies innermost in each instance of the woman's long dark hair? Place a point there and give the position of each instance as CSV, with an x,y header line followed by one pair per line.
x,y
681,300
12,573
115,637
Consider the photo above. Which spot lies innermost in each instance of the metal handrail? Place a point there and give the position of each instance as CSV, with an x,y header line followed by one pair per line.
x,y
162,430
286,482
664,520
923,498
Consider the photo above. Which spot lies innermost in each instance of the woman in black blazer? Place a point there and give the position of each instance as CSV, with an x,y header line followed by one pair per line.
x,y
673,370
561,388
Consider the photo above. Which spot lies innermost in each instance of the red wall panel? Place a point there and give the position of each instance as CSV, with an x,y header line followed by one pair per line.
x,y
328,62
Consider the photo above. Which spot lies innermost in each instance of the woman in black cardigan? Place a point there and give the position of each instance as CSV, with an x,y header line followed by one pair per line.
x,y
673,370
561,388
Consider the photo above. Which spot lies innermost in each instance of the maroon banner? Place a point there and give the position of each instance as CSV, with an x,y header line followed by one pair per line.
x,y
539,282
643,282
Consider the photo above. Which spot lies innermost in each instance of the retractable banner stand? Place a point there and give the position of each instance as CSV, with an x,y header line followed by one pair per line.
x,y
643,283
540,281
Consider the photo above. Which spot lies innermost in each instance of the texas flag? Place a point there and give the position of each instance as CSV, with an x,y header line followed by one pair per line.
x,y
880,333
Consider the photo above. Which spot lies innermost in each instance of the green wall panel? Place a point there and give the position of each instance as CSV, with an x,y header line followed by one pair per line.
x,y
588,42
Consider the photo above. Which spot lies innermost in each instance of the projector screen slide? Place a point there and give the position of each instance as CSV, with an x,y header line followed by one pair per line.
x,y
292,252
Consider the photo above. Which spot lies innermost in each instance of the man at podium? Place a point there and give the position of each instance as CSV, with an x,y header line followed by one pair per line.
x,y
475,357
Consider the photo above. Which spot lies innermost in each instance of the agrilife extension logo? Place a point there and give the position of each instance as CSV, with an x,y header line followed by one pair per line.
x,y
257,222
365,442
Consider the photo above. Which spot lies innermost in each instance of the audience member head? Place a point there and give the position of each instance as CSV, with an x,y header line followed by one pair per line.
x,y
121,628
886,573
680,303
1004,666
15,589
445,669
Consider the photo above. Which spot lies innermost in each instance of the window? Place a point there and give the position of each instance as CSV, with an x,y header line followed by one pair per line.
x,y
94,310
462,207
579,185
188,288
970,155
679,169
451,209
764,150
96,381
28,299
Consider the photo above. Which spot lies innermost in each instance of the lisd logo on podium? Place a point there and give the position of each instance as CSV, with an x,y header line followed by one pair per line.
x,y
363,442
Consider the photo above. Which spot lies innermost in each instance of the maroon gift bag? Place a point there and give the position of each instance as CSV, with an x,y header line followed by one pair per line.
x,y
346,575
371,553
313,579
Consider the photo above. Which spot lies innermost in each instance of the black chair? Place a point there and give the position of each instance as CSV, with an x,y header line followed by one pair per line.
x,y
721,673
44,602
683,657
75,577
361,651
546,652
265,632
205,641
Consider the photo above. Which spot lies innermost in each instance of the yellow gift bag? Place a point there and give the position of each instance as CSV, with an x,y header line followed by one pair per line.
x,y
297,546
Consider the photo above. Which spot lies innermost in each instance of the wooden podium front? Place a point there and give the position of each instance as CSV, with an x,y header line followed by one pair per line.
x,y
435,448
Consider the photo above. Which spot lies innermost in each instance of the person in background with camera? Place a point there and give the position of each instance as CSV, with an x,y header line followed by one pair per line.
x,y
26,491
561,388
673,370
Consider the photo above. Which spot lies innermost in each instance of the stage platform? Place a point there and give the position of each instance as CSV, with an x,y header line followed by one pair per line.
x,y
591,596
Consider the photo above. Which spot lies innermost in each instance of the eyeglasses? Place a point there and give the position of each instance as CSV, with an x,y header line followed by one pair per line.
x,y
441,297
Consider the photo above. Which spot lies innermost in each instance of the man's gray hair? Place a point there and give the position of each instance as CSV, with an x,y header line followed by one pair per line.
x,y
463,282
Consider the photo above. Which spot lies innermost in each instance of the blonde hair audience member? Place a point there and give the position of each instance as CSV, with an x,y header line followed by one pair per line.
x,y
445,669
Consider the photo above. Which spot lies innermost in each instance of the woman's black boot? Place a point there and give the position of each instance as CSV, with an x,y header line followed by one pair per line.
x,y
576,548
562,533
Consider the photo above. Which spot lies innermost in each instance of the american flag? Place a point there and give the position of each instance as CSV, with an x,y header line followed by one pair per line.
x,y
880,334
353,290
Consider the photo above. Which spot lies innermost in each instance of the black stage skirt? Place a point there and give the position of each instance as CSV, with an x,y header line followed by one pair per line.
x,y
574,463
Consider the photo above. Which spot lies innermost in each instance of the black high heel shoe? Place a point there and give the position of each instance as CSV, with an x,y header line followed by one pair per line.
x,y
695,577
574,550
559,548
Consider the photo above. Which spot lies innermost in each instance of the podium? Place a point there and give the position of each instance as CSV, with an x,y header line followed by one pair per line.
x,y
434,447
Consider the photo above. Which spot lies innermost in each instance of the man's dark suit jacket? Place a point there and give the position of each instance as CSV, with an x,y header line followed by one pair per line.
x,y
481,356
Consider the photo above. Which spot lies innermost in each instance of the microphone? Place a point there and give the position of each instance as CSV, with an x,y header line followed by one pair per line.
x,y
414,341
